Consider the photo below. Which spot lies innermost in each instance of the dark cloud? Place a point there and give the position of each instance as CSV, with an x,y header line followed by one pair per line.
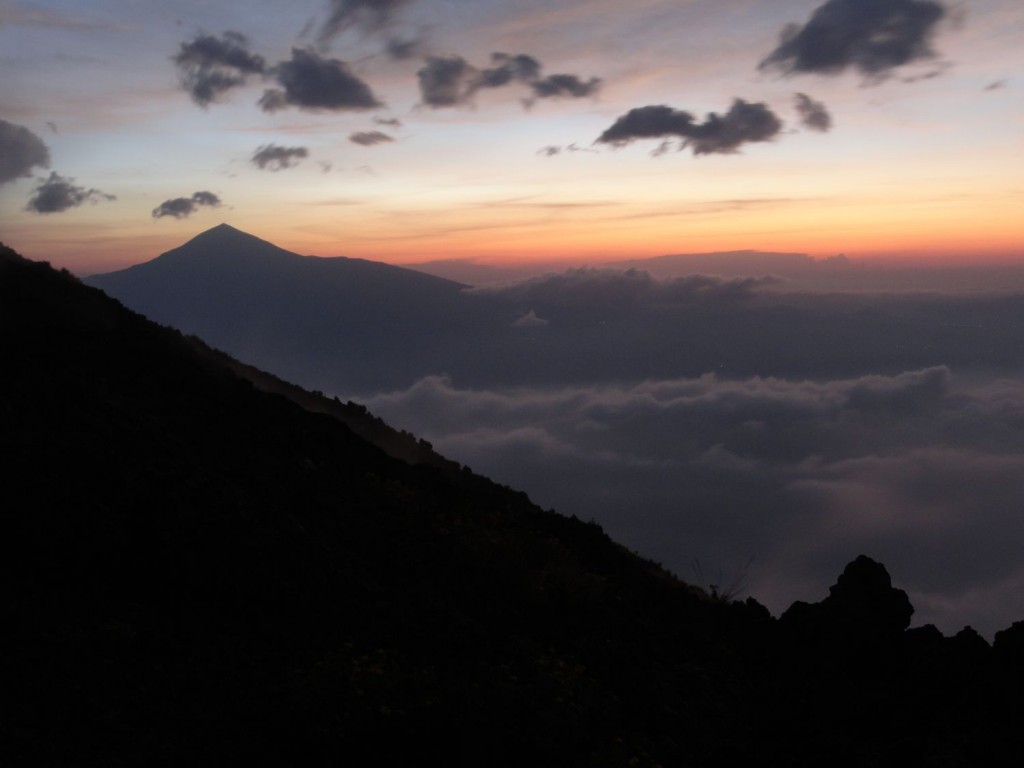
x,y
651,122
310,81
58,193
507,68
550,150
744,122
274,158
871,36
20,152
369,138
560,86
813,114
369,15
996,85
182,207
448,81
401,49
391,122
209,66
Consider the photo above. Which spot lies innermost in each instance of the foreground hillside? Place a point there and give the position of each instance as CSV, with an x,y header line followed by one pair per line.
x,y
203,572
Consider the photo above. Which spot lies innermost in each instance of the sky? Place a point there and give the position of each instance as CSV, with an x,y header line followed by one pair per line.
x,y
589,130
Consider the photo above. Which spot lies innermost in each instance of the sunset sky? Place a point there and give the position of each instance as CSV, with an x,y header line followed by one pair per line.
x,y
411,130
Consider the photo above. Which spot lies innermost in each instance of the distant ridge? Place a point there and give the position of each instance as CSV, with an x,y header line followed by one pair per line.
x,y
355,328
747,263
224,247
254,300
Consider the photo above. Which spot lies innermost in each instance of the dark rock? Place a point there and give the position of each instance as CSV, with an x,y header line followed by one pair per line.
x,y
861,605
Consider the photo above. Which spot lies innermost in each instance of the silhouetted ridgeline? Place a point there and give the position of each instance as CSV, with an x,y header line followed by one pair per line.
x,y
359,327
202,572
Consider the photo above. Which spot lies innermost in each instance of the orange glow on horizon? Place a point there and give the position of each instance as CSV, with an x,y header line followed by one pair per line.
x,y
928,234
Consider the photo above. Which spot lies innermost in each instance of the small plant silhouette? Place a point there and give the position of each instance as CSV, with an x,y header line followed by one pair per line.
x,y
731,591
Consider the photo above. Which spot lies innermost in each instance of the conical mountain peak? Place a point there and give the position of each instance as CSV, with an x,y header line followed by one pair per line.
x,y
226,241
255,300
222,231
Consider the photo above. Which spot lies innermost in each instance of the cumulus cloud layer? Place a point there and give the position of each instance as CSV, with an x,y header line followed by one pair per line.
x,y
20,152
745,122
57,193
312,82
272,157
449,81
182,207
873,37
917,468
210,66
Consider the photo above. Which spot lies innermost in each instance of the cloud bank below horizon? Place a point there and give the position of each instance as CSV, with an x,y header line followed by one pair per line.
x,y
920,469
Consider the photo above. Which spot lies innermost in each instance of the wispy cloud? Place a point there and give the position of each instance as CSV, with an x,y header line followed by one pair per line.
x,y
368,15
40,17
813,114
371,19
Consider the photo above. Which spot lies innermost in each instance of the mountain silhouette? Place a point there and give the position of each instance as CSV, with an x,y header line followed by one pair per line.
x,y
201,570
729,263
356,328
338,322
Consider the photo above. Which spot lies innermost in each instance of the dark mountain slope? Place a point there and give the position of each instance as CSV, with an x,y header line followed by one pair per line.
x,y
200,568
399,444
199,572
